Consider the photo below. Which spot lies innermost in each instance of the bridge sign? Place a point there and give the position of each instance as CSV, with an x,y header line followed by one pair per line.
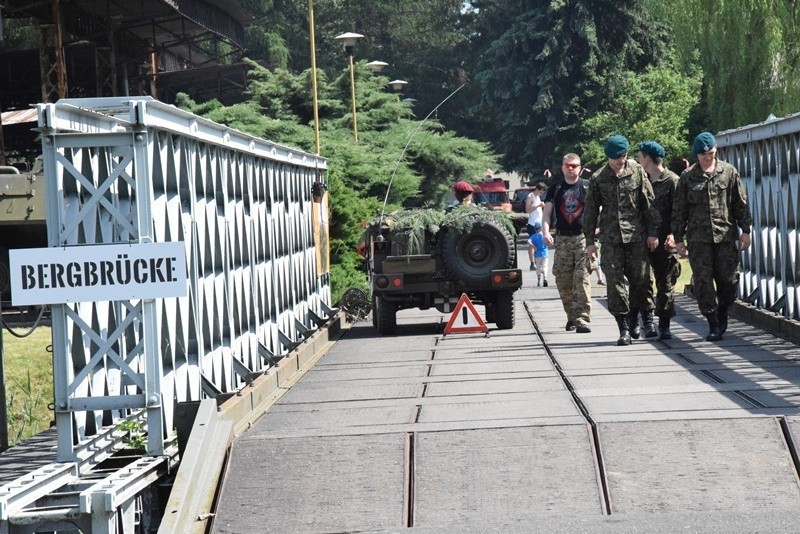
x,y
465,318
98,272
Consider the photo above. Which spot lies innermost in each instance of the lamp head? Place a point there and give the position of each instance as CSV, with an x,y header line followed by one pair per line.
x,y
377,66
348,41
398,84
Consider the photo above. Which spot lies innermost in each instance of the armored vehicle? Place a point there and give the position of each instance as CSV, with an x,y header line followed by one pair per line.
x,y
424,259
22,216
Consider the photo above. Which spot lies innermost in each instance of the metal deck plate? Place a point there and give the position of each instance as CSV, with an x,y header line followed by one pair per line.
x,y
318,484
504,475
698,466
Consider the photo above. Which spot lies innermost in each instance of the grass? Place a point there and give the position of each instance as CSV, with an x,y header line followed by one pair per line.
x,y
28,366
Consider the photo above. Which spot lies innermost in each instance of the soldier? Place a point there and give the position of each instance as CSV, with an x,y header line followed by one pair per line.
x,y
663,260
628,228
710,203
570,266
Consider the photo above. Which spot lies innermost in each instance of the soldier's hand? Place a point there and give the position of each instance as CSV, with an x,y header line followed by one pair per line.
x,y
669,242
652,243
744,242
591,252
681,248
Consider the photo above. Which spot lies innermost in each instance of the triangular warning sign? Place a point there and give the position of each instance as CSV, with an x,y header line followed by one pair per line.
x,y
465,318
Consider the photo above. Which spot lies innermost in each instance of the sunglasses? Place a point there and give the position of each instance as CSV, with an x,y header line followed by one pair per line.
x,y
572,165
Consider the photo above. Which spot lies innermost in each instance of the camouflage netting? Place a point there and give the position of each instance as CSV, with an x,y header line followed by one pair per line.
x,y
408,227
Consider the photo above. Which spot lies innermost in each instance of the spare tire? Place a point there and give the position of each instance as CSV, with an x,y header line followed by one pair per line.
x,y
473,254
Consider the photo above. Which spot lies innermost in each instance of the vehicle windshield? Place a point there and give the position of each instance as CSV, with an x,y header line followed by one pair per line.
x,y
489,197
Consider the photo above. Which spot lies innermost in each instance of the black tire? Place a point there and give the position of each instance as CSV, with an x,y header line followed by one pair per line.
x,y
374,312
472,255
385,315
504,310
491,312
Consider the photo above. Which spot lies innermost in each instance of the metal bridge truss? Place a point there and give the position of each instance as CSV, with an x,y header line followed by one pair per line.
x,y
122,170
768,158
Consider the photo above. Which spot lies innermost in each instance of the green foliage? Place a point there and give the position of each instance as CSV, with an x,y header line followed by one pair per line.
x,y
28,369
555,65
747,51
19,34
361,175
24,401
136,437
462,218
415,223
652,105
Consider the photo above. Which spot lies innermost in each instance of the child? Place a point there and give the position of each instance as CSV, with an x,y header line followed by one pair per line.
x,y
533,207
540,254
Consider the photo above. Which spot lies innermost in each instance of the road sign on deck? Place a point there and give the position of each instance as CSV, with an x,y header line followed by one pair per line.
x,y
465,318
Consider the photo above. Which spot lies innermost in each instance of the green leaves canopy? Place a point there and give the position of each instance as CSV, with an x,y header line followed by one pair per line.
x,y
360,174
555,66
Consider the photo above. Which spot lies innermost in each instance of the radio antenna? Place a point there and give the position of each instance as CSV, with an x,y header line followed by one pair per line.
x,y
403,153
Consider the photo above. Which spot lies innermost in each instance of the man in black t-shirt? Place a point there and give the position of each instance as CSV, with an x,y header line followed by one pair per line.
x,y
565,201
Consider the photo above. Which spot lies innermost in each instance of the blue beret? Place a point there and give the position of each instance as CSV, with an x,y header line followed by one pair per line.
x,y
616,147
652,149
703,143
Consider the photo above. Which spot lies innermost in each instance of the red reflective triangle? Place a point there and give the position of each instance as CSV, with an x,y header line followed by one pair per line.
x,y
465,318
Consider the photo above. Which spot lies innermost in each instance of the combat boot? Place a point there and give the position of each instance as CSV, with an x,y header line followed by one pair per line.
x,y
663,328
633,324
722,315
713,327
624,330
647,324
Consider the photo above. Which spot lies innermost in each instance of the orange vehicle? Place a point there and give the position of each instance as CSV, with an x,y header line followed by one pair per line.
x,y
493,192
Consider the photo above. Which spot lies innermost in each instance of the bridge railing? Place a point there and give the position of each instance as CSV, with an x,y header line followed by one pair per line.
x,y
134,170
768,158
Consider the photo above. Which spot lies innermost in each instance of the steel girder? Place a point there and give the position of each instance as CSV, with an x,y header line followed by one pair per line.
x,y
768,158
122,170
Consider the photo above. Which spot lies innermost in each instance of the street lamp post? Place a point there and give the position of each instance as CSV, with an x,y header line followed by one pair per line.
x,y
315,98
349,42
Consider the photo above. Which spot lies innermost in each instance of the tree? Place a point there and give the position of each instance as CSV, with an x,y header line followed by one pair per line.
x,y
747,52
554,66
421,40
360,174
652,105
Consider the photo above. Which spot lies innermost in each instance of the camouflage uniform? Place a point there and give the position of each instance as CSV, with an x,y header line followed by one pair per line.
x,y
570,267
629,216
665,263
707,209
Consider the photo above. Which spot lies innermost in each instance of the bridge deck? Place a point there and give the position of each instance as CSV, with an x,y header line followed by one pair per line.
x,y
438,432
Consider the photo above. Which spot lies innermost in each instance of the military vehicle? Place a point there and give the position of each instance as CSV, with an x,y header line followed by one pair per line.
x,y
426,259
22,216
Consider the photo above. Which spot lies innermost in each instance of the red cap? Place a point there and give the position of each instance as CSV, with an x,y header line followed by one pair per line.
x,y
463,187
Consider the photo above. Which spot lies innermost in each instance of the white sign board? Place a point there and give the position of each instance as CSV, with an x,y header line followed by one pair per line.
x,y
97,273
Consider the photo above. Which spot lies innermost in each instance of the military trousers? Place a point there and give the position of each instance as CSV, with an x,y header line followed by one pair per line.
x,y
571,270
666,268
715,274
627,270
